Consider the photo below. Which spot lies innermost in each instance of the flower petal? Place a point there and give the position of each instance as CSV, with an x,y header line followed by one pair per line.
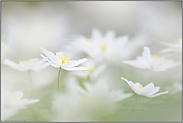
x,y
51,56
148,88
151,96
74,68
75,63
14,65
139,63
168,65
134,87
147,55
51,63
155,90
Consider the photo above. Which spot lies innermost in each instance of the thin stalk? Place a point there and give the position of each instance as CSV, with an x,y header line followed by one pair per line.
x,y
150,76
58,77
31,85
141,101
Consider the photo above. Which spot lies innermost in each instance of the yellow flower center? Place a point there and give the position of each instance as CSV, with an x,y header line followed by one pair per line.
x,y
26,62
64,59
103,47
140,86
155,56
15,99
91,70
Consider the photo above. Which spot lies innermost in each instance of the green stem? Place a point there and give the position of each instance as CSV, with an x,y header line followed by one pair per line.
x,y
58,77
31,85
150,76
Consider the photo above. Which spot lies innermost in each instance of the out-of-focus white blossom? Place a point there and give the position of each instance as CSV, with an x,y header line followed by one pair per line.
x,y
178,86
11,103
86,105
102,48
148,91
94,71
59,60
173,47
155,62
32,64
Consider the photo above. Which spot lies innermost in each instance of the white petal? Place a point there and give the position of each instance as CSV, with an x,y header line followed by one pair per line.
x,y
137,63
134,87
24,102
155,95
14,65
33,63
110,35
18,95
75,63
39,67
121,41
120,95
55,59
137,89
147,55
74,68
168,65
51,63
36,64
96,35
158,63
148,89
155,90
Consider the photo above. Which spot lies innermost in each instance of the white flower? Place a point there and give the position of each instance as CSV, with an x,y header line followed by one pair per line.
x,y
178,86
94,71
85,105
32,64
102,48
148,91
59,60
155,63
13,102
173,47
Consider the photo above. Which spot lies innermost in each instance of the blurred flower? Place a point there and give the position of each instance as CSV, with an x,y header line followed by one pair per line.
x,y
94,71
173,47
12,102
32,64
100,47
59,60
86,105
155,62
178,86
148,91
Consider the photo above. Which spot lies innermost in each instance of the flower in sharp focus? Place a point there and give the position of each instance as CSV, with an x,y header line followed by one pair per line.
x,y
100,47
32,64
155,62
148,91
59,60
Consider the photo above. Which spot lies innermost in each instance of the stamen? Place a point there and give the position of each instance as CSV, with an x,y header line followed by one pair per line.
x,y
91,70
64,60
140,86
155,56
103,47
26,62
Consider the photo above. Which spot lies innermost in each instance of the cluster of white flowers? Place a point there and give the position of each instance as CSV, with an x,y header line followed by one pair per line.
x,y
88,101
119,75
